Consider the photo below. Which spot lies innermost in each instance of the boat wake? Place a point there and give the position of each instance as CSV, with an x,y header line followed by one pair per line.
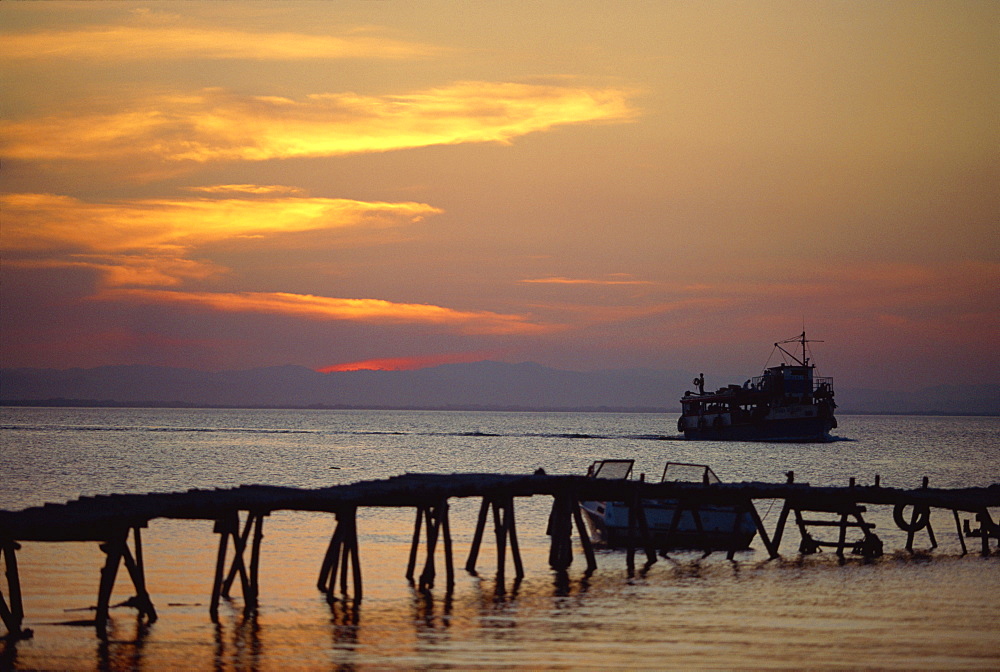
x,y
334,432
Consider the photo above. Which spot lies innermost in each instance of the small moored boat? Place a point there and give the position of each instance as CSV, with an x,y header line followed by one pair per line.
x,y
705,527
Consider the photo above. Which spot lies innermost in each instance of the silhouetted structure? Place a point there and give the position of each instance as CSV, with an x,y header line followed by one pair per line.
x,y
111,519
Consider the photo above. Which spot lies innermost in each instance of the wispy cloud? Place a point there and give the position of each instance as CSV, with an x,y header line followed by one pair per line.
x,y
256,189
216,125
149,242
559,280
52,222
331,308
131,43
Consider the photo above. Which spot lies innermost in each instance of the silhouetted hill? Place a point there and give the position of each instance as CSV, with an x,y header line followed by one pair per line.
x,y
494,385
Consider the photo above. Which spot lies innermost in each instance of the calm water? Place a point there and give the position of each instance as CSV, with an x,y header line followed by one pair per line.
x,y
931,610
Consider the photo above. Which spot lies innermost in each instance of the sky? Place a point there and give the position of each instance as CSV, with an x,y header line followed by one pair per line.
x,y
586,185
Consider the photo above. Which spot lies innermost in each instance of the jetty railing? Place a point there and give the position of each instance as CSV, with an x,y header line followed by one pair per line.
x,y
112,520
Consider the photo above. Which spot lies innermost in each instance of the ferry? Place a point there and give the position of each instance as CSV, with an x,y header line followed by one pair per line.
x,y
704,527
787,403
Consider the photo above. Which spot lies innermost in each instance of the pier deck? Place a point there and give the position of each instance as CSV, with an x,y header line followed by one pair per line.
x,y
111,519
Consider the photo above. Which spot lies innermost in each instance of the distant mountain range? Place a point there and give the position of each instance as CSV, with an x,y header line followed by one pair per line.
x,y
478,385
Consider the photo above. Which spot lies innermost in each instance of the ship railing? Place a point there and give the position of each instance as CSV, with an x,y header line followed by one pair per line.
x,y
822,382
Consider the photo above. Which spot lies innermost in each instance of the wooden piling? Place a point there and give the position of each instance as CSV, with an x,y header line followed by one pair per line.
x,y
342,551
137,572
987,529
499,527
477,537
234,568
258,537
12,615
438,527
222,529
433,517
749,508
958,528
779,528
638,531
588,547
771,546
229,526
113,549
505,530
414,544
331,561
560,530
511,527
449,562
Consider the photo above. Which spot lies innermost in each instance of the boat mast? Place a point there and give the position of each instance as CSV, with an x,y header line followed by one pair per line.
x,y
801,338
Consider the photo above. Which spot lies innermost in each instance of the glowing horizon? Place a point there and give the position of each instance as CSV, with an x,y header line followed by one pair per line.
x,y
413,363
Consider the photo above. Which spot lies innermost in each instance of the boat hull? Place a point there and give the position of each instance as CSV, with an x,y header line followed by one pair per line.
x,y
807,430
707,528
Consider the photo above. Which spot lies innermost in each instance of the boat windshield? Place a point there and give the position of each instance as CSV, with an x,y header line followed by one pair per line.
x,y
679,472
612,469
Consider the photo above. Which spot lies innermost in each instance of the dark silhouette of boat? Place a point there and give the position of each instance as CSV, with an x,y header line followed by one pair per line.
x,y
787,403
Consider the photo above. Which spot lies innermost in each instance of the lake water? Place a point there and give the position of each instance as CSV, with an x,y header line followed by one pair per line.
x,y
928,610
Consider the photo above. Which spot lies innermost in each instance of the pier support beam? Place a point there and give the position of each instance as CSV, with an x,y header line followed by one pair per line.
x,y
229,526
588,547
113,550
638,528
561,532
987,529
919,518
565,513
870,546
12,615
342,551
137,571
437,526
958,528
505,529
249,578
117,552
771,546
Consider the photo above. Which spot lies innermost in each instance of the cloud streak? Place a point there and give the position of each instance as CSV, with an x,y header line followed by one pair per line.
x,y
558,280
148,242
330,308
51,222
216,125
134,43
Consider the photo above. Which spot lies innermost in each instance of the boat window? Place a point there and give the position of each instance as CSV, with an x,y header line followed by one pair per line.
x,y
679,472
613,469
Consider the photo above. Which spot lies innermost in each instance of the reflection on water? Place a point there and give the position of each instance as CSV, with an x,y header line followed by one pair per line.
x,y
923,610
123,649
238,643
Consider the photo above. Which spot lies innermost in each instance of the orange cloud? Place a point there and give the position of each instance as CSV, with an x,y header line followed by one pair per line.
x,y
329,308
48,221
146,241
403,363
255,189
129,43
214,125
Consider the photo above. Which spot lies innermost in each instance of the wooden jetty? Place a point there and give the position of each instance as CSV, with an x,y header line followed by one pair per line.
x,y
111,520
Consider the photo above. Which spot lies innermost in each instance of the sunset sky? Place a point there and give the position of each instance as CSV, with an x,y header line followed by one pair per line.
x,y
585,185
